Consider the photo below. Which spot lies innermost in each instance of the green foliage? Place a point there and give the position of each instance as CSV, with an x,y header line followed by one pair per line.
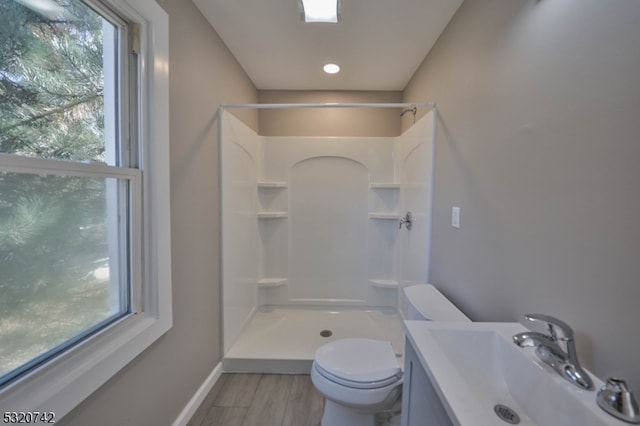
x,y
51,83
53,234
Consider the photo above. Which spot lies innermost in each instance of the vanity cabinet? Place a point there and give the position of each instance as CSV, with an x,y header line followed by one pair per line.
x,y
421,405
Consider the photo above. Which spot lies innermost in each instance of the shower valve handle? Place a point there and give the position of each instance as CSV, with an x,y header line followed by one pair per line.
x,y
407,220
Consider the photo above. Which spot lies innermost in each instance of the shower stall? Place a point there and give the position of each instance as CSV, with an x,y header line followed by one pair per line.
x,y
319,236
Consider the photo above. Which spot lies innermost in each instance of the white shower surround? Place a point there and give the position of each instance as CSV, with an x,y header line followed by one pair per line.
x,y
313,221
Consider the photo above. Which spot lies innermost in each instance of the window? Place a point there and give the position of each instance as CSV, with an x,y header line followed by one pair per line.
x,y
64,249
83,195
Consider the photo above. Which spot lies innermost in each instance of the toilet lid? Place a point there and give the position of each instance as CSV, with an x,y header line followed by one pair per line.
x,y
359,360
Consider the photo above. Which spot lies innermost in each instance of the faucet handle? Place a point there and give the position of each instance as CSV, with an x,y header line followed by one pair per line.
x,y
552,323
617,399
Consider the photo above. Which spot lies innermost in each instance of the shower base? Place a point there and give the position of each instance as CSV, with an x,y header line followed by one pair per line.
x,y
284,339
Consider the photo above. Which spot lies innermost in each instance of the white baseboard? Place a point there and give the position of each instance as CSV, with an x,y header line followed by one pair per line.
x,y
192,406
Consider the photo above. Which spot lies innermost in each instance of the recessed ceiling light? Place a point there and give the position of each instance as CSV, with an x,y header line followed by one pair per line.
x,y
331,68
321,10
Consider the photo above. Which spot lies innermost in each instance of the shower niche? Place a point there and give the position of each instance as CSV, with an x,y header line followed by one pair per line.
x,y
272,200
314,222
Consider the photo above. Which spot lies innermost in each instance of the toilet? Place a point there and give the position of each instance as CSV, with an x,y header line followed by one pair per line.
x,y
361,378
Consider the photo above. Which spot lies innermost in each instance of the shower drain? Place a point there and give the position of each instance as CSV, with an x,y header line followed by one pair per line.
x,y
326,333
507,414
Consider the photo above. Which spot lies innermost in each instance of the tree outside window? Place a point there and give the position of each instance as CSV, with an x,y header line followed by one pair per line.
x,y
63,242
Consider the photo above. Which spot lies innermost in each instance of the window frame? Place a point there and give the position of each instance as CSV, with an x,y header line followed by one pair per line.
x,y
60,384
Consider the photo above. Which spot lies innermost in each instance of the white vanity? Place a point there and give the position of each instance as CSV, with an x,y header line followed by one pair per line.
x,y
421,404
472,374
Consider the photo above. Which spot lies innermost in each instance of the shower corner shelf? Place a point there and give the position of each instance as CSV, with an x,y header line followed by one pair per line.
x,y
384,283
271,282
272,215
272,184
384,216
382,185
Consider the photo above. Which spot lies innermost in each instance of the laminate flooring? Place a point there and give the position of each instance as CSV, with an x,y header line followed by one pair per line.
x,y
260,400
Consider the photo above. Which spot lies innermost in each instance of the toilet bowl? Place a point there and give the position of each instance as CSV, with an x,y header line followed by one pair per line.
x,y
358,377
342,362
361,378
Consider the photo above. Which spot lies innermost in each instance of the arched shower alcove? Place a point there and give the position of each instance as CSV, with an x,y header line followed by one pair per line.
x,y
311,238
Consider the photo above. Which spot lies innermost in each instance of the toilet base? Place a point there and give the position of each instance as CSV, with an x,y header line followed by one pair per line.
x,y
339,415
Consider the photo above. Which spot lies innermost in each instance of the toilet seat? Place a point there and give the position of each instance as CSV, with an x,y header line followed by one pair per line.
x,y
355,385
358,363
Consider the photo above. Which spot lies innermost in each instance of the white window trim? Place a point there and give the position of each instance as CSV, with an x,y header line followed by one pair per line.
x,y
61,384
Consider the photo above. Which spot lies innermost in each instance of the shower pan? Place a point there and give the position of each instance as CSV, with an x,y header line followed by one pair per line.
x,y
313,248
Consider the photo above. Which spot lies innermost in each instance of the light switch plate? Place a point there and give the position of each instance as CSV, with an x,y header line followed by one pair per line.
x,y
455,217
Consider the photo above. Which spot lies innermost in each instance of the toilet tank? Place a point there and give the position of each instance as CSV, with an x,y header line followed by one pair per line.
x,y
425,302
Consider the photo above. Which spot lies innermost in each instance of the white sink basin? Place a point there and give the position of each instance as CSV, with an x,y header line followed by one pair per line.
x,y
475,366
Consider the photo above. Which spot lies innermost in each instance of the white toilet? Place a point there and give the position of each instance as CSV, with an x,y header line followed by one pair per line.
x,y
360,378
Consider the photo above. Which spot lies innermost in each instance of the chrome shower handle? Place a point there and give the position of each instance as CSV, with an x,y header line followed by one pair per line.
x,y
407,220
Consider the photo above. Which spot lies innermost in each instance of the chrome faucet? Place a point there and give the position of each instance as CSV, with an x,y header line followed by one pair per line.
x,y
549,350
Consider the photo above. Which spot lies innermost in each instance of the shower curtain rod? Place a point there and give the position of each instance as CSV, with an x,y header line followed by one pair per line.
x,y
332,105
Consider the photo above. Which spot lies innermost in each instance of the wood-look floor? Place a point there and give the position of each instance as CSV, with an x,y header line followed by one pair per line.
x,y
260,400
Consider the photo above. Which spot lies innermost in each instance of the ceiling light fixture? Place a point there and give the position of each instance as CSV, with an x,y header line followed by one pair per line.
x,y
320,10
331,68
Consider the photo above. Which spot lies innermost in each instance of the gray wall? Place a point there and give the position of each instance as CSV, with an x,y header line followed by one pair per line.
x,y
539,144
155,388
329,121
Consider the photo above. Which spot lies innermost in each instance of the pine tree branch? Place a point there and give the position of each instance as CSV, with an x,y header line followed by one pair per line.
x,y
66,54
51,112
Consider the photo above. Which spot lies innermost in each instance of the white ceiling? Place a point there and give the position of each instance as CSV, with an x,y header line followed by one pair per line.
x,y
378,43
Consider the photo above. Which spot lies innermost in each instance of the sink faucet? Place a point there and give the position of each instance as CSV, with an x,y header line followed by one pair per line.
x,y
563,361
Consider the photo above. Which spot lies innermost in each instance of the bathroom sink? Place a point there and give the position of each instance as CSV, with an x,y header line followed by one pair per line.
x,y
483,378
